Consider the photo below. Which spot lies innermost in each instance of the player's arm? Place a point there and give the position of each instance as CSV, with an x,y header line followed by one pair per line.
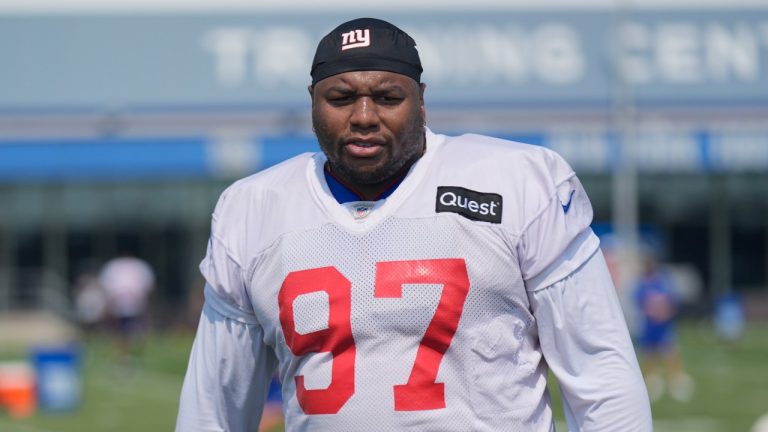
x,y
229,373
581,326
230,366
585,341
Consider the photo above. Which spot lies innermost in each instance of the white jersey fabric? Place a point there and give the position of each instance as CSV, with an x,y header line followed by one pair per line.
x,y
438,308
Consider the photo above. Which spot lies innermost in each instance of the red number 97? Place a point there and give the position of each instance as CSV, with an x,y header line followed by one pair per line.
x,y
421,391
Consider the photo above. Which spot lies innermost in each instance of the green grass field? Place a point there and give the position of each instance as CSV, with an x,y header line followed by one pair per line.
x,y
731,387
116,401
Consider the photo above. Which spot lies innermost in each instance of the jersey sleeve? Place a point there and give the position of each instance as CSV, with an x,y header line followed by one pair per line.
x,y
557,237
585,341
228,375
222,268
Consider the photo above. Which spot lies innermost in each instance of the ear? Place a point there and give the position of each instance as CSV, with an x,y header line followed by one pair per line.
x,y
422,106
311,90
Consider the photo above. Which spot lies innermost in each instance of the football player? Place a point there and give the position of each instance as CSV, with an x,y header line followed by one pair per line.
x,y
405,280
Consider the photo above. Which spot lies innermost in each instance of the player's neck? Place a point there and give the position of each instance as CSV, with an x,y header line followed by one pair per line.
x,y
374,191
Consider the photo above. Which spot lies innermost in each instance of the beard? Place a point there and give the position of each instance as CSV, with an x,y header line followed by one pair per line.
x,y
411,148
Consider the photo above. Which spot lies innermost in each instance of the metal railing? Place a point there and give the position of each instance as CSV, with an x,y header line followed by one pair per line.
x,y
34,288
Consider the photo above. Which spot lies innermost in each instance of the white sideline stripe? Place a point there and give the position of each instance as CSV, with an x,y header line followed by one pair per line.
x,y
17,427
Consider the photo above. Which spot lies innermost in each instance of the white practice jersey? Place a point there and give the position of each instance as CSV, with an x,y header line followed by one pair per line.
x,y
414,312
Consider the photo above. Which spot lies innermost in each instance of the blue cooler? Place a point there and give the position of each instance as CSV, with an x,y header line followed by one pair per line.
x,y
59,380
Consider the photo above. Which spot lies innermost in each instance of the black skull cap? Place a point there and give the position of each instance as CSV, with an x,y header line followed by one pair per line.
x,y
366,44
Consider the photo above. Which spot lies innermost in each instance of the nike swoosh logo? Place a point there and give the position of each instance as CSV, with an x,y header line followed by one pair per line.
x,y
567,205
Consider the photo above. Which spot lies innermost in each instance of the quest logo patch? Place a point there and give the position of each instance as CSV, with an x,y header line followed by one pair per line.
x,y
472,205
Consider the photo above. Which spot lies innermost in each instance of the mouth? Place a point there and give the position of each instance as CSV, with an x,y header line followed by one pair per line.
x,y
364,148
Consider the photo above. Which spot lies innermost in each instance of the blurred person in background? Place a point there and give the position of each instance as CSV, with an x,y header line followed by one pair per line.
x,y
658,304
90,300
405,280
127,282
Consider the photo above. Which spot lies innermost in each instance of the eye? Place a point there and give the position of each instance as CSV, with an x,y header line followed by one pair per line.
x,y
389,99
340,99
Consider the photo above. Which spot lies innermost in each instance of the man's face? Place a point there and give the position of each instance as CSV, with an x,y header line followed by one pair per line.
x,y
370,124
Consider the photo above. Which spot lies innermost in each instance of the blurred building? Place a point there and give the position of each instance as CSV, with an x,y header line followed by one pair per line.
x,y
121,123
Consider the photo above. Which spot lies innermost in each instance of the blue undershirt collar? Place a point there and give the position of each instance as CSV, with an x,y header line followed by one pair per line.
x,y
345,193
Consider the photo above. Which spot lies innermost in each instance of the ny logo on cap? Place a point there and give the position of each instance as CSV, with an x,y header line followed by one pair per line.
x,y
355,39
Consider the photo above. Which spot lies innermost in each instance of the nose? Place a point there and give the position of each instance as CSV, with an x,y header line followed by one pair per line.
x,y
364,114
